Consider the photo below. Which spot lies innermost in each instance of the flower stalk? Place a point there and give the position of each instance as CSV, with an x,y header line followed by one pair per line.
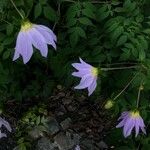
x,y
119,68
17,9
125,87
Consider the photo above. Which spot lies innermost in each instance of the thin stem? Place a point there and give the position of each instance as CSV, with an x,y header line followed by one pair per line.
x,y
93,2
17,9
6,21
118,68
121,63
58,11
125,87
139,93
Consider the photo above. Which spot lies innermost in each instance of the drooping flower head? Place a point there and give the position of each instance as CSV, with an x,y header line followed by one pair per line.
x,y
88,75
129,121
6,125
31,35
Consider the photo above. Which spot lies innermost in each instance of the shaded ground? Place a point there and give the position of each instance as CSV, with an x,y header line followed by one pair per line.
x,y
74,115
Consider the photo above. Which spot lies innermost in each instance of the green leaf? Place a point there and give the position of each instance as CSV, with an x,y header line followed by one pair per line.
x,y
9,29
37,10
38,120
74,39
71,22
116,33
88,13
50,13
85,21
112,27
43,2
143,42
142,54
6,54
122,40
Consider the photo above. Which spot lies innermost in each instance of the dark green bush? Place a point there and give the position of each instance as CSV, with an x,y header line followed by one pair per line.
x,y
103,33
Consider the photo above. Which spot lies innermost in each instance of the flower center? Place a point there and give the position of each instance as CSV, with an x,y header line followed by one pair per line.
x,y
26,26
135,114
94,72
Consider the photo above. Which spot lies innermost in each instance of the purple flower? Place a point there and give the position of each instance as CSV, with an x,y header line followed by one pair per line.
x,y
130,120
33,35
6,125
88,75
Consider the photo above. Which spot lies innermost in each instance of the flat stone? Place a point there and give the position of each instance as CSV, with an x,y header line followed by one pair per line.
x,y
53,126
88,144
102,145
45,144
66,123
65,141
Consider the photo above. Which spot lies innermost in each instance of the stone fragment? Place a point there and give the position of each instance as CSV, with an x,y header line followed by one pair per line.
x,y
65,141
66,123
45,144
53,126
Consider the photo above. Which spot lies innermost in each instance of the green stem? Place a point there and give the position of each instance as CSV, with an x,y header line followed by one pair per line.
x,y
17,9
138,97
125,87
119,68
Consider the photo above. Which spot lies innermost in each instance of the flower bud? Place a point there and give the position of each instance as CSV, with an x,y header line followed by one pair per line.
x,y
109,104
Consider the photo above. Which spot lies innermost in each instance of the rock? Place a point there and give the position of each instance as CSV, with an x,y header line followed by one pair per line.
x,y
102,145
66,123
45,144
60,111
72,107
53,126
67,101
65,141
88,145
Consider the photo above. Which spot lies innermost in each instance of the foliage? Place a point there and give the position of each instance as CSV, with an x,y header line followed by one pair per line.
x,y
103,33
31,126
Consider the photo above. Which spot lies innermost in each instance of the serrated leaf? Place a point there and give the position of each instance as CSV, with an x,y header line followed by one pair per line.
x,y
143,42
122,40
74,39
112,27
38,120
9,29
142,54
85,21
103,15
88,13
116,33
37,10
43,2
71,22
50,13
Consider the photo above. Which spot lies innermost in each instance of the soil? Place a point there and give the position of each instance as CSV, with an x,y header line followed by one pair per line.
x,y
88,118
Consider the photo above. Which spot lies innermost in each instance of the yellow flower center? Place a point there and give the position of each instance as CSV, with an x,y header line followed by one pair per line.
x,y
135,114
26,26
94,72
